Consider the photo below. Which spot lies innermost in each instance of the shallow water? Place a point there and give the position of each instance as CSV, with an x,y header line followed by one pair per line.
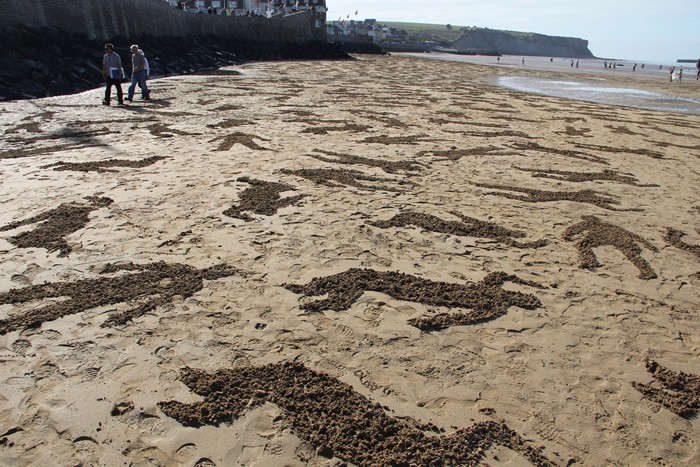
x,y
579,87
582,90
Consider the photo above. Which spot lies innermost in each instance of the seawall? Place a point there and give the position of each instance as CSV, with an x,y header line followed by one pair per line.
x,y
100,20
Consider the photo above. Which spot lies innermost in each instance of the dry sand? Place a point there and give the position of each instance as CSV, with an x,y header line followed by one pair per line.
x,y
372,261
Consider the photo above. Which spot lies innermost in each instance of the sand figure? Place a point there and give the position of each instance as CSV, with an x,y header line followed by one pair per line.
x,y
468,227
228,141
386,166
576,177
487,298
162,130
324,130
601,233
542,196
613,150
340,177
56,224
384,139
31,152
456,154
679,392
102,166
153,285
230,123
261,198
496,134
673,237
336,420
529,146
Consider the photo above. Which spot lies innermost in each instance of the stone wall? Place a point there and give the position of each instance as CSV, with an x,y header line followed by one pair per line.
x,y
103,20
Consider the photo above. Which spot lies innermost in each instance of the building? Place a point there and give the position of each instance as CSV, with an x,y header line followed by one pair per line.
x,y
289,5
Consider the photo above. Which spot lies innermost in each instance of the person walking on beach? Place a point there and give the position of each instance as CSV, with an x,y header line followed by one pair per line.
x,y
680,75
148,71
697,65
138,74
670,74
113,74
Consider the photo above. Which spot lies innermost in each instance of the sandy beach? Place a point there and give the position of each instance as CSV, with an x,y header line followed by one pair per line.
x,y
385,260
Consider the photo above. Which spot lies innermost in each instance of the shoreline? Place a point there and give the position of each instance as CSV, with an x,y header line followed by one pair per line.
x,y
590,72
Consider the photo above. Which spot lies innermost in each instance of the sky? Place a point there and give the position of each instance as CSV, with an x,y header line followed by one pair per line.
x,y
642,30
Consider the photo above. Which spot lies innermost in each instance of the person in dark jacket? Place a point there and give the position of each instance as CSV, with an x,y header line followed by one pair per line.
x,y
113,74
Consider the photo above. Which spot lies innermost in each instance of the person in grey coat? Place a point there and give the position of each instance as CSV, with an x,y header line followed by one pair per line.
x,y
138,74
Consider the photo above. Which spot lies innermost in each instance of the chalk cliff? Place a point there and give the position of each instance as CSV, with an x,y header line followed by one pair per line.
x,y
482,40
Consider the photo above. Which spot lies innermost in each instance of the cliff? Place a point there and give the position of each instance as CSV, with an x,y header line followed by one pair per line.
x,y
476,40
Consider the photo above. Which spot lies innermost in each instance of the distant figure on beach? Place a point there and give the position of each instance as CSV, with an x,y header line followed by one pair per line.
x,y
670,74
138,74
551,59
498,59
697,65
680,75
576,63
605,65
523,60
113,73
572,63
634,67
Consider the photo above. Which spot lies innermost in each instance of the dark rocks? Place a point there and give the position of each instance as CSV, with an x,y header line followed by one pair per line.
x,y
49,62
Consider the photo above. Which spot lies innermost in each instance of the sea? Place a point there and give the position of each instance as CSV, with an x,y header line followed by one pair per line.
x,y
586,80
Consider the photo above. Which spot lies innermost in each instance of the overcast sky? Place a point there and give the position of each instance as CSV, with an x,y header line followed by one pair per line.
x,y
645,30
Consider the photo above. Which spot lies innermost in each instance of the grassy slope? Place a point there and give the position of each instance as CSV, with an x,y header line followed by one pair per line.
x,y
438,30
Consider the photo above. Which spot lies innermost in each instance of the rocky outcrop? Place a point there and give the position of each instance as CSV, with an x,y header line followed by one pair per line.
x,y
519,43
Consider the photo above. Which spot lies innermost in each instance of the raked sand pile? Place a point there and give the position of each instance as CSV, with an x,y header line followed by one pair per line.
x,y
369,262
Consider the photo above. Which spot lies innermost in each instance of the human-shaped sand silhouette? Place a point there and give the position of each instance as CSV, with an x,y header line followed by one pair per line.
x,y
339,177
152,284
673,237
486,298
261,198
335,419
228,141
679,392
347,159
543,196
103,166
55,225
468,227
577,177
599,233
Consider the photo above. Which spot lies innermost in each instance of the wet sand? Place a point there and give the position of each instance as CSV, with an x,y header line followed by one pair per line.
x,y
384,260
